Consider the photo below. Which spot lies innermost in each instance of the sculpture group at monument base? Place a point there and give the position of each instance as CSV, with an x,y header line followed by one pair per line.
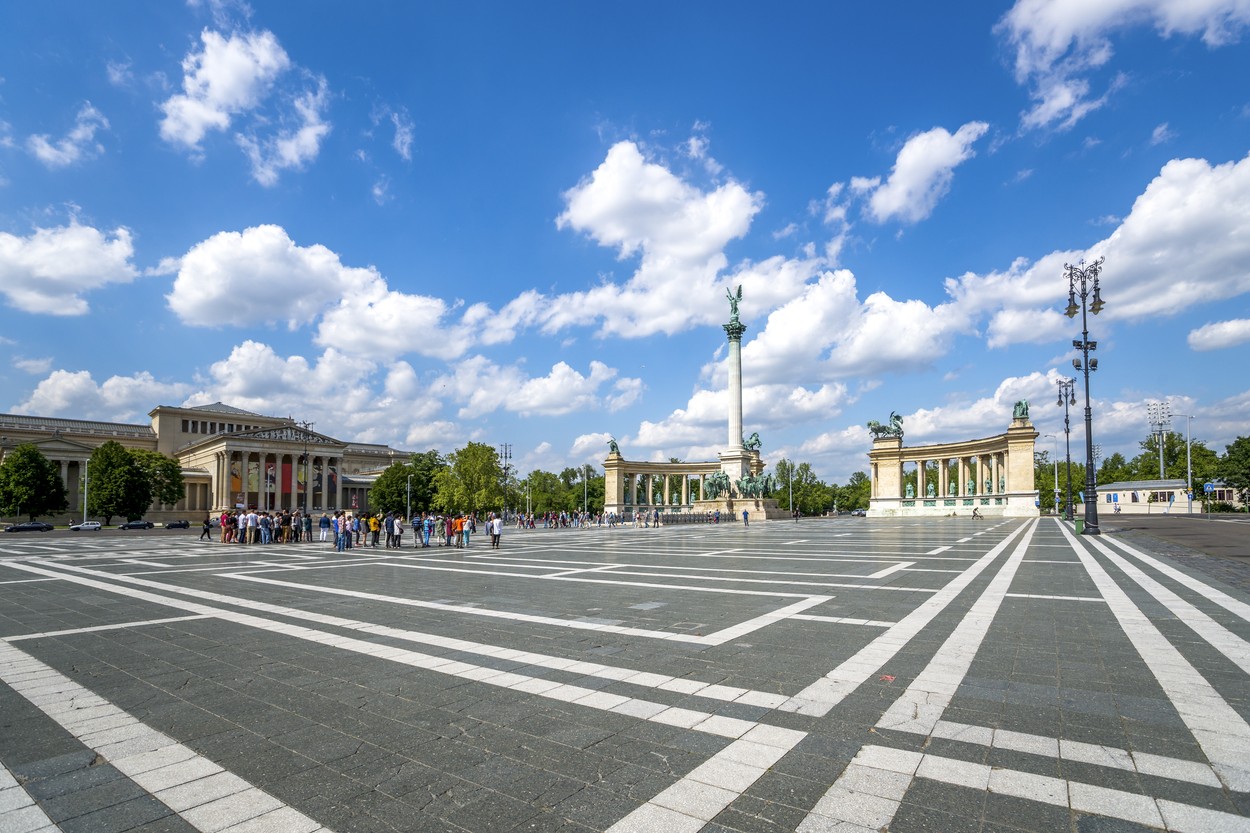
x,y
757,508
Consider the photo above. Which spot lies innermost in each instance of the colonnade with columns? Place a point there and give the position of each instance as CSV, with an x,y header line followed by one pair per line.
x,y
993,475
276,480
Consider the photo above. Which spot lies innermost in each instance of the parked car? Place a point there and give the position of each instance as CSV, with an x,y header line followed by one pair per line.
x,y
87,526
859,513
29,526
178,525
136,525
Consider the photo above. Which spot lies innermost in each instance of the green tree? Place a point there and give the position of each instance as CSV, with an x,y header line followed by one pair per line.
x,y
472,481
856,492
164,475
546,492
1114,469
389,492
30,484
117,484
1234,468
425,468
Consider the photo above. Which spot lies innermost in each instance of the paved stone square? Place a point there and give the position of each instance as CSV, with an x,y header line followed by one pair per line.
x,y
846,675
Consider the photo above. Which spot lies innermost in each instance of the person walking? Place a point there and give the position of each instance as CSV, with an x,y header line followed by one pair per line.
x,y
745,518
206,530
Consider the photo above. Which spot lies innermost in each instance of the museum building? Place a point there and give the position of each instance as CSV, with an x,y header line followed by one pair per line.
x,y
230,458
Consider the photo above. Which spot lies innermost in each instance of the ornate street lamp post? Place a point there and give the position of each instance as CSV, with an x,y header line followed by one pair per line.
x,y
1067,397
1083,284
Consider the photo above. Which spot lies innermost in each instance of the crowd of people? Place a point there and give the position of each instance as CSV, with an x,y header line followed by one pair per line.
x,y
346,530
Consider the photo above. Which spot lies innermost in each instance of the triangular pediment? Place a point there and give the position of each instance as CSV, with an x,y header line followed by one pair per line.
x,y
289,434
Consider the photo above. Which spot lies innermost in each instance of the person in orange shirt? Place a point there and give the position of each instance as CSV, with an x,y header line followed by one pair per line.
x,y
457,530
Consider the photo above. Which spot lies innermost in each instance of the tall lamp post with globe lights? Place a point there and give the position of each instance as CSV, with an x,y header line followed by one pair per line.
x,y
1083,284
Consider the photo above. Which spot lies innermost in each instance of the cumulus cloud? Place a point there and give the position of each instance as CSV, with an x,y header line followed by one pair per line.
x,y
80,143
1058,45
226,269
119,398
679,232
484,387
1185,242
1220,335
292,147
47,271
228,76
921,175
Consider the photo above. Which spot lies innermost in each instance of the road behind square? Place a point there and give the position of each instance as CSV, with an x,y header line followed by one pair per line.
x,y
849,675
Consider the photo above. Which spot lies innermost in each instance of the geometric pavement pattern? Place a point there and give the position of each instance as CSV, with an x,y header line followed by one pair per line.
x,y
834,675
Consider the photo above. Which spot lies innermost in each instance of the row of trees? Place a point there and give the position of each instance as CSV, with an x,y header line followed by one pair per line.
x,y
1232,468
121,482
472,479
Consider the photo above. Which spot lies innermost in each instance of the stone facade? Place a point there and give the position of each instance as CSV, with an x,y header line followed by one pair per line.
x,y
229,456
993,475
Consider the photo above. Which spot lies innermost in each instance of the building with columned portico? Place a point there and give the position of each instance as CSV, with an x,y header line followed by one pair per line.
x,y
229,457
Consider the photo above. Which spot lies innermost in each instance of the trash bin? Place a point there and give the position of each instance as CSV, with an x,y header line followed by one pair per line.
x,y
1080,526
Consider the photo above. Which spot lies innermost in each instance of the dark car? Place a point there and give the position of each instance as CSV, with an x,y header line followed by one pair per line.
x,y
859,513
136,525
178,525
29,526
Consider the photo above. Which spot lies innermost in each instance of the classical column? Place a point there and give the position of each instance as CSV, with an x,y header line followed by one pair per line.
x,y
668,496
685,490
338,482
307,484
734,330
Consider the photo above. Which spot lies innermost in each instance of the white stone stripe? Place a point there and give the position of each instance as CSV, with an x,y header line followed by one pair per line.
x,y
699,721
868,794
25,580
716,638
921,706
1219,637
709,788
96,628
843,620
1056,598
1176,769
821,696
1219,730
1239,608
18,811
206,796
631,676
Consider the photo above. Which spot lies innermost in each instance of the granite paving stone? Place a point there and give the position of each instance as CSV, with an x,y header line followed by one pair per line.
x,y
303,695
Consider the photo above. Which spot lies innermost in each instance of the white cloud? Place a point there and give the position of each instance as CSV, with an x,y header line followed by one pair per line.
x,y
485,387
80,143
403,135
227,77
119,73
1220,335
1185,242
1161,134
119,398
48,271
641,208
290,148
1057,44
217,280
33,366
922,174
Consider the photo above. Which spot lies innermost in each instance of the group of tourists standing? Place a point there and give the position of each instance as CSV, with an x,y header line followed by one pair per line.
x,y
345,530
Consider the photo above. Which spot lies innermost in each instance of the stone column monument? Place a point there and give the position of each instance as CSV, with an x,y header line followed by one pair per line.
x,y
735,459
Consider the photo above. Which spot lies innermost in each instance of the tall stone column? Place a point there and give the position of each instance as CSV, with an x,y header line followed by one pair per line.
x,y
734,330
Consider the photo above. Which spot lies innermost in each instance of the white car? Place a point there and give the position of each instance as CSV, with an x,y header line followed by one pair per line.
x,y
87,526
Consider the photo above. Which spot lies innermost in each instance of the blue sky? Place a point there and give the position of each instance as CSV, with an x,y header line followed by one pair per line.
x,y
425,224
